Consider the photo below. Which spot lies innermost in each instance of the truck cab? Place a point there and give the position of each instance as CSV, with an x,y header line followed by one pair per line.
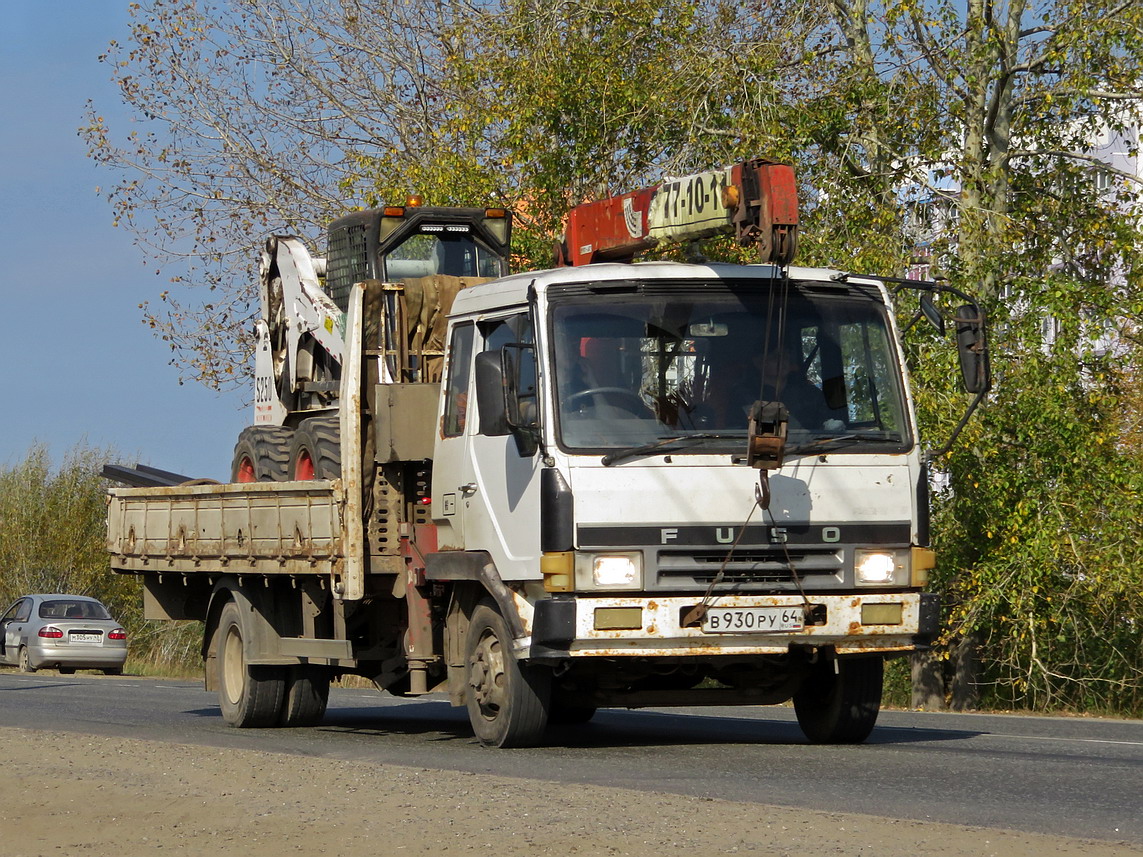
x,y
593,451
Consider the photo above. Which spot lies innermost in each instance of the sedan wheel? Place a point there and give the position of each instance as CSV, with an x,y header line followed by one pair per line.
x,y
25,664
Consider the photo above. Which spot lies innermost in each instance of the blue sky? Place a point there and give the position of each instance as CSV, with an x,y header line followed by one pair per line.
x,y
76,363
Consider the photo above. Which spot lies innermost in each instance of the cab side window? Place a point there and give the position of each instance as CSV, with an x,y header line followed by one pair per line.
x,y
456,386
514,330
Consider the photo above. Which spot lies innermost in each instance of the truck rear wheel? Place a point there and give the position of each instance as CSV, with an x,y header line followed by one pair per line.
x,y
316,449
306,696
249,696
262,454
507,701
840,707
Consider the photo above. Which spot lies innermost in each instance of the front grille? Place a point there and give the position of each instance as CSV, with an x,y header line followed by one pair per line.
x,y
746,566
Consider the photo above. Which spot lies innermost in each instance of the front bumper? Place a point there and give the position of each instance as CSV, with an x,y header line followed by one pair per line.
x,y
566,627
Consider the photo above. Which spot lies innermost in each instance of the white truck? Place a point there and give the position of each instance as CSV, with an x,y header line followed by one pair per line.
x,y
609,484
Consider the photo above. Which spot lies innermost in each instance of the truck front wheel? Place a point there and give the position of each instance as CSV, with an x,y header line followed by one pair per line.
x,y
840,706
507,701
249,696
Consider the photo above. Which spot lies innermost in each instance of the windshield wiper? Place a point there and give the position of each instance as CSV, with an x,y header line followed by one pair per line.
x,y
833,441
665,443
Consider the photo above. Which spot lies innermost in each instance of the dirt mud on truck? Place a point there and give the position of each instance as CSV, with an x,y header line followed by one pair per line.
x,y
608,484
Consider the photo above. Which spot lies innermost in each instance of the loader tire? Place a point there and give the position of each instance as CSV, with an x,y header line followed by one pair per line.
x,y
262,454
316,449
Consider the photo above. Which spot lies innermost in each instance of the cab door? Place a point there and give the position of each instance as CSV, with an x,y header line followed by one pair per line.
x,y
503,515
452,479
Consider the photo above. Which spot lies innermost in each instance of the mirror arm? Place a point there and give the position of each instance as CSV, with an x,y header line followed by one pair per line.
x,y
933,455
917,316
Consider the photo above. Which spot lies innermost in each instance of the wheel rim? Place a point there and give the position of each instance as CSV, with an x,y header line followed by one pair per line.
x,y
245,471
24,662
233,666
486,676
304,467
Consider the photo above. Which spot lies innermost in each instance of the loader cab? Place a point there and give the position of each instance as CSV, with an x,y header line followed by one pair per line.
x,y
398,243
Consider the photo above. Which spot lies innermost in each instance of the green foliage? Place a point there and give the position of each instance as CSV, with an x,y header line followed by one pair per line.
x,y
1038,536
52,531
51,527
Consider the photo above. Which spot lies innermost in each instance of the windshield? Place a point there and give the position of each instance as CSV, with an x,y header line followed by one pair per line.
x,y
441,249
636,369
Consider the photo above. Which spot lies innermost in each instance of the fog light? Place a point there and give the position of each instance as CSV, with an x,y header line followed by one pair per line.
x,y
874,566
881,614
618,618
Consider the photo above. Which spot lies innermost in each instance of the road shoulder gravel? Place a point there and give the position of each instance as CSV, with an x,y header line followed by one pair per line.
x,y
67,793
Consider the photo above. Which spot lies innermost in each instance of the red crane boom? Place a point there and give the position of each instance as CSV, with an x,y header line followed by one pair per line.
x,y
755,200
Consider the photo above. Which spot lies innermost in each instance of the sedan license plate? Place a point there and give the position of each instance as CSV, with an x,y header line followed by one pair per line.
x,y
753,620
79,637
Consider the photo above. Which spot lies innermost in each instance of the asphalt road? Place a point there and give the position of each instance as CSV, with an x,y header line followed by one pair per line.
x,y
1066,776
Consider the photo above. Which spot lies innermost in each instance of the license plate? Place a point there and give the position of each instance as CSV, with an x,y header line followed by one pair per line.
x,y
753,620
77,637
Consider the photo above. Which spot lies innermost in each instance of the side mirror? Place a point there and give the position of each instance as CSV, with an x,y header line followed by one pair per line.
x,y
491,394
932,314
972,348
521,399
506,397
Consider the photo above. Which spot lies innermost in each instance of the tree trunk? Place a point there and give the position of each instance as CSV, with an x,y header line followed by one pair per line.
x,y
965,691
928,681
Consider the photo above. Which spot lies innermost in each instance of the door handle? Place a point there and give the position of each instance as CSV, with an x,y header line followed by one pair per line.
x,y
467,490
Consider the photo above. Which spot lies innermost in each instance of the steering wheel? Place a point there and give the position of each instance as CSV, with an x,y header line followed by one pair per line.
x,y
633,402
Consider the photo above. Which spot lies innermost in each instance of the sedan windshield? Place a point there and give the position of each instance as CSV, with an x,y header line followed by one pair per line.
x,y
637,371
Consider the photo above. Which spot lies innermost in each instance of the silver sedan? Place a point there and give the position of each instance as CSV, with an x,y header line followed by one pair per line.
x,y
68,632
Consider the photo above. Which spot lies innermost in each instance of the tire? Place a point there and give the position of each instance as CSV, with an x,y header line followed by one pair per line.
x,y
507,701
305,698
25,663
113,671
66,670
250,697
262,454
571,715
566,710
841,707
315,452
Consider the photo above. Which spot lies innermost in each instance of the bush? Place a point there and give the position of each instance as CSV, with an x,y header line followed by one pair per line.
x,y
52,539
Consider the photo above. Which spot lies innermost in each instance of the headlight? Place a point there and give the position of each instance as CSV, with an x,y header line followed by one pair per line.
x,y
609,571
875,568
